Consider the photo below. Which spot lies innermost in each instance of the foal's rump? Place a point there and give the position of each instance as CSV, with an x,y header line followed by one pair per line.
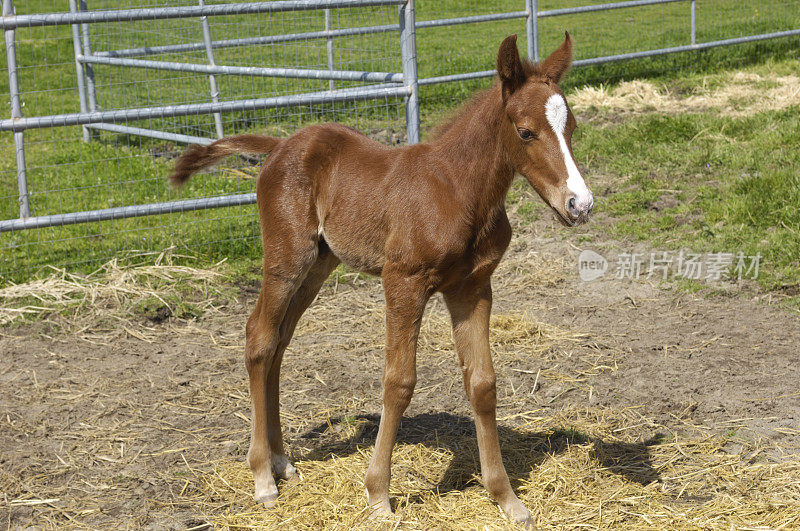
x,y
197,157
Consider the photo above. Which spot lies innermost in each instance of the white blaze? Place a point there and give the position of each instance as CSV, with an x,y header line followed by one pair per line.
x,y
555,109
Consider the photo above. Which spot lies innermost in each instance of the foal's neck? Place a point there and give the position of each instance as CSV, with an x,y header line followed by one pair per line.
x,y
472,145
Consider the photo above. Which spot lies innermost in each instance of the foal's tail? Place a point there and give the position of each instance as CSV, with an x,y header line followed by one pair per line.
x,y
197,157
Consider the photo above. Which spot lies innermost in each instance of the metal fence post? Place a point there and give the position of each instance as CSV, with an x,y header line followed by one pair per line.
x,y
694,22
532,27
212,80
408,52
329,44
16,112
88,68
76,49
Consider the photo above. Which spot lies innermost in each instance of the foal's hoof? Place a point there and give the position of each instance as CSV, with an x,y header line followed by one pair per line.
x,y
267,498
282,467
381,514
380,509
524,521
527,524
519,515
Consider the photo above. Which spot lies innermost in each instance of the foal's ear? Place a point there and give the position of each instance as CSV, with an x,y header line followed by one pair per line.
x,y
509,66
557,64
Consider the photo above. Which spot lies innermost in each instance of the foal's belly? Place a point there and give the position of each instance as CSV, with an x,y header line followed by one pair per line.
x,y
351,206
356,248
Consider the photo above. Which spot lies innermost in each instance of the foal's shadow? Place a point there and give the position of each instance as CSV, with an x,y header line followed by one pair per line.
x,y
522,450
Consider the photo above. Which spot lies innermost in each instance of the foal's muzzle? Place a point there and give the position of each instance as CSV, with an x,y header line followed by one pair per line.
x,y
579,208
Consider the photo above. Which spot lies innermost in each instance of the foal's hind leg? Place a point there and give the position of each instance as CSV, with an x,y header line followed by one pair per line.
x,y
286,264
301,300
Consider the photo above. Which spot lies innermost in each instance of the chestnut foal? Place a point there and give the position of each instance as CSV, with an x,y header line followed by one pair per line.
x,y
427,218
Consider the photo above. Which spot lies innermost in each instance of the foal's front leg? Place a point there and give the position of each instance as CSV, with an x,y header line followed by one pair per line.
x,y
470,307
405,303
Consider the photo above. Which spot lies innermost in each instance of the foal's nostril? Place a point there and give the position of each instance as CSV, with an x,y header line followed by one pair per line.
x,y
572,208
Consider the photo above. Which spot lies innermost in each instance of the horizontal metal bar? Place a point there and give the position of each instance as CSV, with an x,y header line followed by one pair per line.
x,y
602,7
151,133
123,115
470,20
157,13
232,43
624,56
133,211
686,48
254,71
457,77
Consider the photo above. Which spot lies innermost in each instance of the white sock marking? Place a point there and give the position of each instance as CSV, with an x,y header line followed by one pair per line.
x,y
555,109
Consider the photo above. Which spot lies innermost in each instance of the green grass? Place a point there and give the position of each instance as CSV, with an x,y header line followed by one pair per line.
x,y
67,175
160,309
727,184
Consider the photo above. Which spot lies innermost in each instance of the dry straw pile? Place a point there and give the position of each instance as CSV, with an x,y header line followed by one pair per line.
x,y
578,469
111,291
739,94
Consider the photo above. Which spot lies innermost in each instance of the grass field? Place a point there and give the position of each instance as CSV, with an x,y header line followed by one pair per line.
x,y
732,184
650,151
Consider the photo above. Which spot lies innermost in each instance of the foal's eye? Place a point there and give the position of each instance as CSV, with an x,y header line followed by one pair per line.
x,y
525,134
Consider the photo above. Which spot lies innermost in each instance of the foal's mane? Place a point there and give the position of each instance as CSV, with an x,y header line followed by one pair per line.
x,y
478,100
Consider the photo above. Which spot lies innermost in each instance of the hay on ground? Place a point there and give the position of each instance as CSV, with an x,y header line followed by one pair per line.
x,y
740,94
578,469
115,287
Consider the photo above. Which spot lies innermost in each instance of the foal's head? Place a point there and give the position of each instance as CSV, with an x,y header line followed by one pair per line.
x,y
538,126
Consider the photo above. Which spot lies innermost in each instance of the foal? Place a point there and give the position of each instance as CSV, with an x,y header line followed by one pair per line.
x,y
427,218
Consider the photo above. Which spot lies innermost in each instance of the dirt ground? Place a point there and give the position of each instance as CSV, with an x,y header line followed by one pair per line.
x,y
122,424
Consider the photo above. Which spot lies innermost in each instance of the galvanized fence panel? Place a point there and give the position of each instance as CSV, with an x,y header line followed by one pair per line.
x,y
103,95
103,185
